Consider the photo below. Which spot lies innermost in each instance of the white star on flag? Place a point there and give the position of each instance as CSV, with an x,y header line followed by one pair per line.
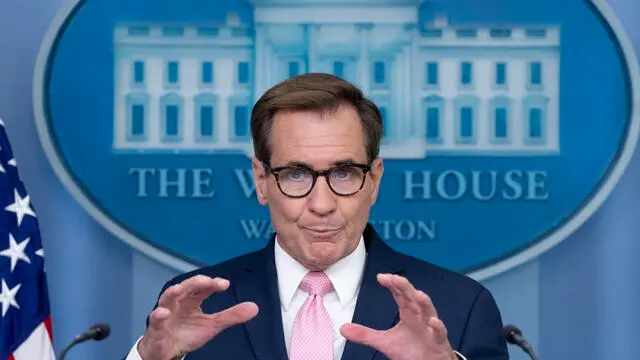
x,y
40,252
8,297
20,206
12,162
16,251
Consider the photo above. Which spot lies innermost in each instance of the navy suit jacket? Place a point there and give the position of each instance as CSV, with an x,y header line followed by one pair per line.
x,y
467,309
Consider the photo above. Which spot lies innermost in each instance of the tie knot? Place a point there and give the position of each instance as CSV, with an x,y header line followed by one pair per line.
x,y
316,283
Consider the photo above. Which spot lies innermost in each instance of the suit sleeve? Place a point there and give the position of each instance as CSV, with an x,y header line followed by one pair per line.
x,y
482,336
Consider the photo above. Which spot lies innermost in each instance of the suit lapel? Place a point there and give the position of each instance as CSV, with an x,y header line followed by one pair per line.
x,y
375,307
259,284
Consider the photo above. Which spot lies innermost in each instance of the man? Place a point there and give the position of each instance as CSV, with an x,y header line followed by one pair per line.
x,y
326,286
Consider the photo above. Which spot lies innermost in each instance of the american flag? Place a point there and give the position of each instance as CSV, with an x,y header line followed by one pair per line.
x,y
25,319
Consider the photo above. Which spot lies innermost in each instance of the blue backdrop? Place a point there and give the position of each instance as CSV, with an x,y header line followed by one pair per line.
x,y
579,300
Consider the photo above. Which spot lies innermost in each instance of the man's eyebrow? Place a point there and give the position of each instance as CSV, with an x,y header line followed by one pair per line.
x,y
347,161
297,163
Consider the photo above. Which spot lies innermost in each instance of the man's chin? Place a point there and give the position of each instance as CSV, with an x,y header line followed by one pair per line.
x,y
321,255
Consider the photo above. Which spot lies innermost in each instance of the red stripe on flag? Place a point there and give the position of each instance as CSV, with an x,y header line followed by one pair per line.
x,y
47,324
11,357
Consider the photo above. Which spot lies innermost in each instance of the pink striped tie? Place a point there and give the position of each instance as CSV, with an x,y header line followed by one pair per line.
x,y
312,336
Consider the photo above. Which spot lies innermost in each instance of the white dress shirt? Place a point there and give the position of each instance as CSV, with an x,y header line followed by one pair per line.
x,y
345,275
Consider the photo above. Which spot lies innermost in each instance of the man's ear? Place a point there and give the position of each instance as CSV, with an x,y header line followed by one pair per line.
x,y
377,168
260,177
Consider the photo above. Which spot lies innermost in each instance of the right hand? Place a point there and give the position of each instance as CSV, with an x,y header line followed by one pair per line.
x,y
178,325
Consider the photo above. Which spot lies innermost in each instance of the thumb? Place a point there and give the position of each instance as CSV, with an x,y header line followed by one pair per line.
x,y
363,335
234,315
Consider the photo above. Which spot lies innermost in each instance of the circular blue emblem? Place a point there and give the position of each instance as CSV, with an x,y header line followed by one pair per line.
x,y
506,123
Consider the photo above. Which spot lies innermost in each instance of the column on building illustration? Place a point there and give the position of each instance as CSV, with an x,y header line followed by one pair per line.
x,y
312,32
397,95
381,83
205,103
239,104
364,63
414,85
261,61
466,105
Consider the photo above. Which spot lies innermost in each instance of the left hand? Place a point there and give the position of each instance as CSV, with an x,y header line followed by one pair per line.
x,y
419,335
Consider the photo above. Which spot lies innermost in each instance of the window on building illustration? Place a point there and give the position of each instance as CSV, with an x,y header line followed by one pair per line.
x,y
206,121
500,123
500,33
466,73
466,33
137,120
536,73
535,123
173,72
171,120
501,73
338,68
243,72
207,72
172,31
138,30
432,73
536,33
241,121
138,72
433,123
385,122
379,72
208,31
431,33
294,68
466,122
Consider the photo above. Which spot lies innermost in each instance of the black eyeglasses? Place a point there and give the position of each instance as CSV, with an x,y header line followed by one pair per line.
x,y
298,181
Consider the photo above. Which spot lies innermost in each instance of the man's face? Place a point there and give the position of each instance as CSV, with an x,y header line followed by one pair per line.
x,y
320,229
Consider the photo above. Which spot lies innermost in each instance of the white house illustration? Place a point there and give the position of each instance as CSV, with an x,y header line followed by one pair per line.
x,y
474,90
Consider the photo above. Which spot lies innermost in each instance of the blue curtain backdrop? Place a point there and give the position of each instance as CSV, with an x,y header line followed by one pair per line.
x,y
577,301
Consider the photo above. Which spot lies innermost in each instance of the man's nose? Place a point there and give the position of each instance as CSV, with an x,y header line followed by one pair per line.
x,y
322,200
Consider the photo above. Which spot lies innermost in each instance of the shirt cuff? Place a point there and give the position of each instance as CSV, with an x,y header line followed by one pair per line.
x,y
134,355
457,354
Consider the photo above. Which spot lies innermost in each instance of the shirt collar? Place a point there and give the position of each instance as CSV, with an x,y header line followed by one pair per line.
x,y
345,275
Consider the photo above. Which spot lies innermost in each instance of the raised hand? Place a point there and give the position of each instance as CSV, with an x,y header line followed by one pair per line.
x,y
419,335
178,325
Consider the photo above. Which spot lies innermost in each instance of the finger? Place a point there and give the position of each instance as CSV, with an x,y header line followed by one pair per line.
x,y
157,319
364,335
386,281
439,330
196,289
234,315
426,305
408,294
170,296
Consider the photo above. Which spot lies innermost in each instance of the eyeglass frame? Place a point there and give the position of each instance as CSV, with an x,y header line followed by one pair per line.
x,y
315,174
